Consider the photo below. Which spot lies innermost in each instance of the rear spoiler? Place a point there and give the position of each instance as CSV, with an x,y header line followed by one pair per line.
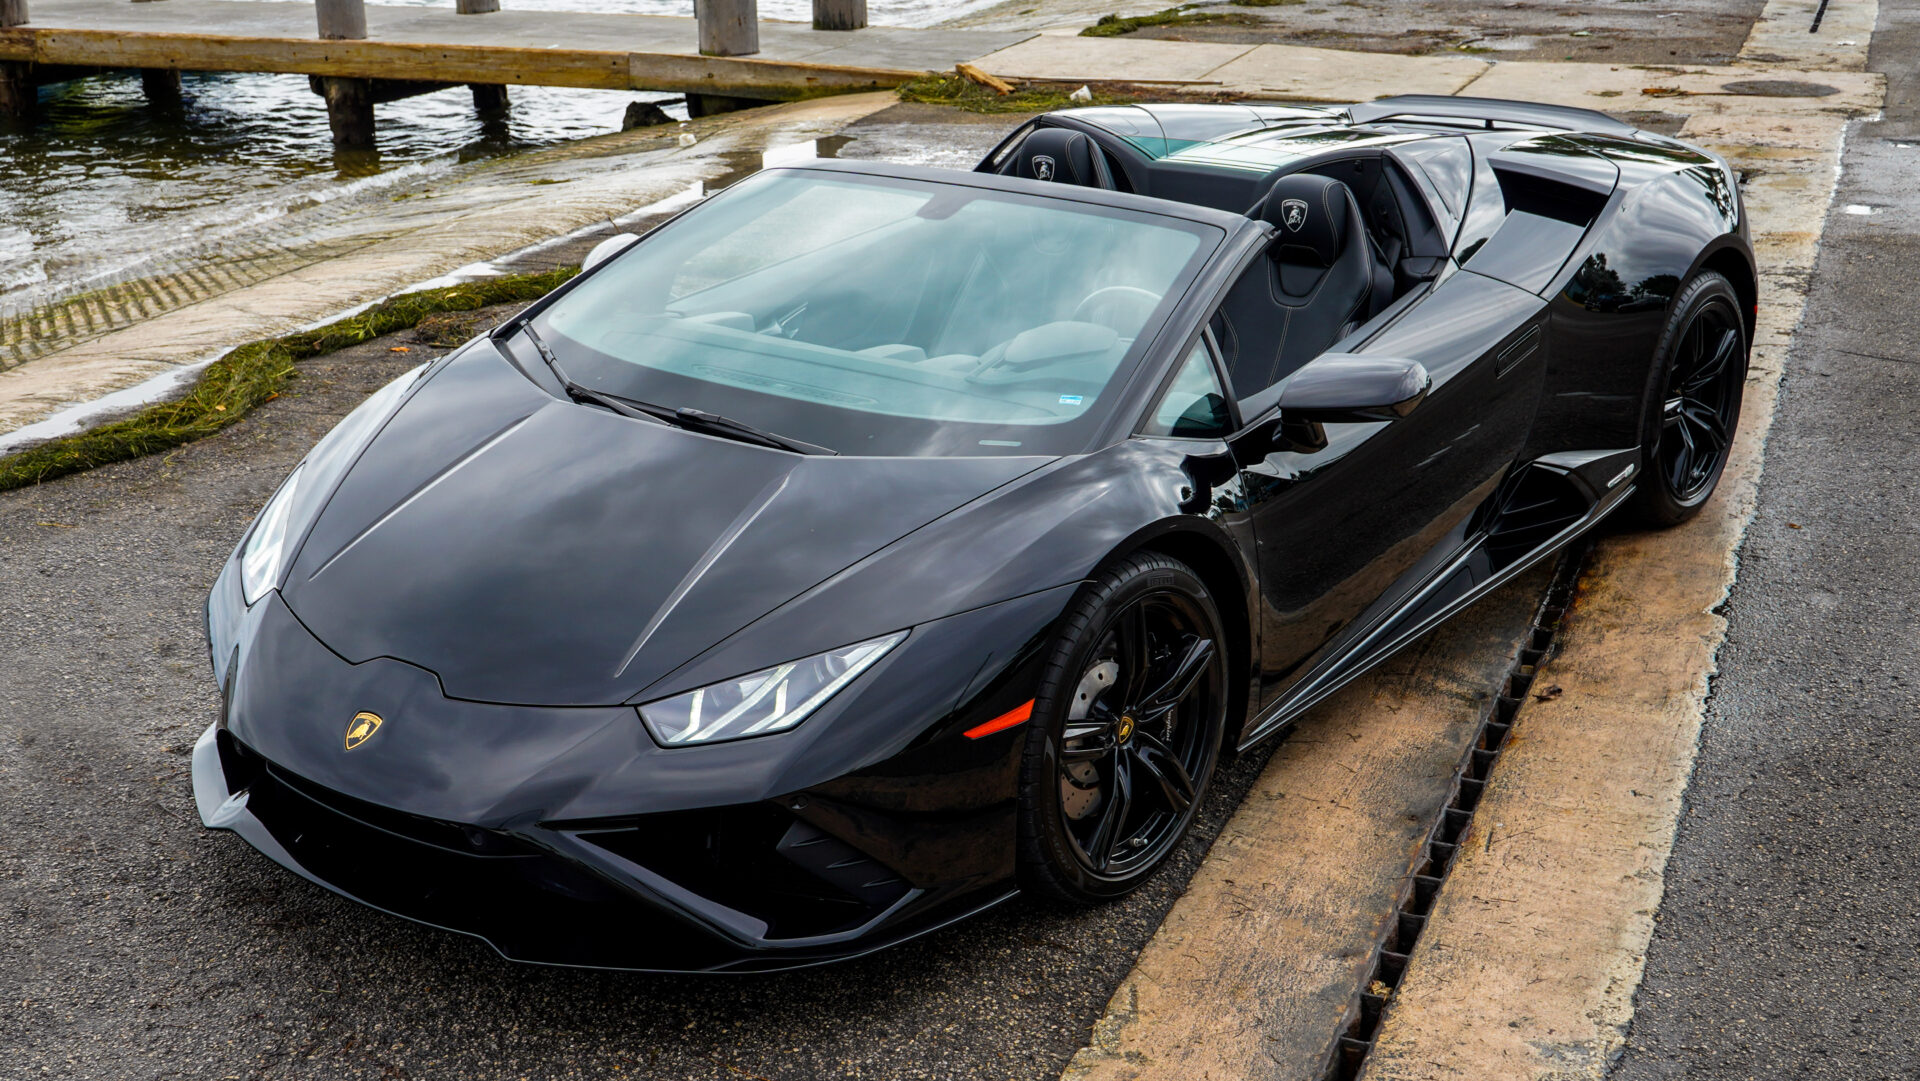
x,y
1489,111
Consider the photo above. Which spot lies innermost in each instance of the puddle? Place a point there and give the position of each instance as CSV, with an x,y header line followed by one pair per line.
x,y
1779,88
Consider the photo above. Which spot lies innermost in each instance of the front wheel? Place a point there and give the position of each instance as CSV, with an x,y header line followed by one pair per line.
x,y
1693,403
1126,732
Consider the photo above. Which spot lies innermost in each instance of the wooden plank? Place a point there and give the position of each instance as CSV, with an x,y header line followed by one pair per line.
x,y
295,56
767,80
772,80
975,75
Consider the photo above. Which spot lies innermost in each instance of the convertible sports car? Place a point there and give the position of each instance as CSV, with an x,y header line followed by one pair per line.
x,y
870,542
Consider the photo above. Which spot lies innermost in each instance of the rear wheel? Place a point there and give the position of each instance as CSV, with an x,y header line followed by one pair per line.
x,y
1693,401
1126,732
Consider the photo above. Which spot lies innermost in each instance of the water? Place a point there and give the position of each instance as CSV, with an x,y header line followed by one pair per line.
x,y
105,184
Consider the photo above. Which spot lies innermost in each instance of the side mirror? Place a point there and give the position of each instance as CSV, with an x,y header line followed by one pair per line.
x,y
607,249
1346,388
1333,388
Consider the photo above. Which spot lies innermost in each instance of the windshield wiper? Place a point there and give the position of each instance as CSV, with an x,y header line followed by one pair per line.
x,y
684,417
715,424
626,407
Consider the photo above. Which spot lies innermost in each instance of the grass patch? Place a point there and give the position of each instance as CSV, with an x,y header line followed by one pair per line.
x,y
252,374
1113,26
950,89
1266,3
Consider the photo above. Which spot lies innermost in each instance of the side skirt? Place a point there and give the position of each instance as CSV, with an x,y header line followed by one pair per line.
x,y
1425,609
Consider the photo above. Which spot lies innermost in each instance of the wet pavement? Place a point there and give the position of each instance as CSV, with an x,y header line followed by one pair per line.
x,y
1606,31
1785,945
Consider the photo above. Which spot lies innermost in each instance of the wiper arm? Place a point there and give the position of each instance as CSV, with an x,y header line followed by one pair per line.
x,y
685,417
623,406
715,424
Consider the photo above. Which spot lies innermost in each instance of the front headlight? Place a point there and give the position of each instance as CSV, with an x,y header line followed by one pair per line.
x,y
265,550
264,554
771,700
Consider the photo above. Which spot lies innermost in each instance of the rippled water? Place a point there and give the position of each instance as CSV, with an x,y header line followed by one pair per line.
x,y
103,181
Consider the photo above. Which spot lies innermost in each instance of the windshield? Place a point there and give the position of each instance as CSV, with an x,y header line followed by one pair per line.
x,y
881,316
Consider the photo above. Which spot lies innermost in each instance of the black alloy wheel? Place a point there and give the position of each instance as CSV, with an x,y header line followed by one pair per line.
x,y
1127,732
1694,406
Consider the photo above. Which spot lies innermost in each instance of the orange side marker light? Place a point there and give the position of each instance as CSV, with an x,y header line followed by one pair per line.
x,y
1014,716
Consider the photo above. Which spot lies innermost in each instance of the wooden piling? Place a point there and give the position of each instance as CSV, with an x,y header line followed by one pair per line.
x,y
487,97
340,20
160,85
728,27
18,91
699,105
349,101
839,14
18,94
349,111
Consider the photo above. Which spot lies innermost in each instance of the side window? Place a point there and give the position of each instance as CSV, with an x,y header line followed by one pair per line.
x,y
1194,405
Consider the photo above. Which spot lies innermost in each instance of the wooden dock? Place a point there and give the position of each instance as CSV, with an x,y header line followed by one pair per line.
x,y
415,49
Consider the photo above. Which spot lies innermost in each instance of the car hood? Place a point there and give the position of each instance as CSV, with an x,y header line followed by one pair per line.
x,y
529,550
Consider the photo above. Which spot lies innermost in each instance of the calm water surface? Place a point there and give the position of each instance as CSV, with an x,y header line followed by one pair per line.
x,y
103,183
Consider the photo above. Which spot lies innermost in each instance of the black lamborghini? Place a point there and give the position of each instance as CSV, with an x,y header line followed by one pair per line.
x,y
868,543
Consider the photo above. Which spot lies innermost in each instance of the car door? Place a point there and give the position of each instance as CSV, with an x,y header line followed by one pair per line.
x,y
1346,532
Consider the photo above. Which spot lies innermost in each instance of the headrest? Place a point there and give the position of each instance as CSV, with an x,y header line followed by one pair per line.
x,y
1060,155
1312,216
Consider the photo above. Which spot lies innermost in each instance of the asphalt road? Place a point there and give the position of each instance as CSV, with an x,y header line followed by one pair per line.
x,y
1786,942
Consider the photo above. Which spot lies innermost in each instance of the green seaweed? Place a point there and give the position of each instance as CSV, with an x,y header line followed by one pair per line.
x,y
1113,26
949,89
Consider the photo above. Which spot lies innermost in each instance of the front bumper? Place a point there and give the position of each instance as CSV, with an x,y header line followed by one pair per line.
x,y
570,904
564,836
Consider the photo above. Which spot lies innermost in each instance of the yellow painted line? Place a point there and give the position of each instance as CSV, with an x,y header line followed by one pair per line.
x,y
1257,965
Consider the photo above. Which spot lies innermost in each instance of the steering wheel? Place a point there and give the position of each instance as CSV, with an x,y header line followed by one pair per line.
x,y
1124,308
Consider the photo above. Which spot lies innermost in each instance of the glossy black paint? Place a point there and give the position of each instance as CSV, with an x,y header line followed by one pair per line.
x,y
504,574
1337,389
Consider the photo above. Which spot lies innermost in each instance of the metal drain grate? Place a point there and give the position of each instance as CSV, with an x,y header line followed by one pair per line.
x,y
1429,875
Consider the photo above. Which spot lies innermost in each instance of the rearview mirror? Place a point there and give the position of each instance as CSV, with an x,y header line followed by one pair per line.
x,y
607,249
1346,388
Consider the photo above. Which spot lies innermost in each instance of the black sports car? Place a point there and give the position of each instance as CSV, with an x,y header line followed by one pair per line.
x,y
869,542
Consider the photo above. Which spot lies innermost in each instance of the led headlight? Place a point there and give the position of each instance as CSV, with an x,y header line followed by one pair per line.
x,y
265,552
772,700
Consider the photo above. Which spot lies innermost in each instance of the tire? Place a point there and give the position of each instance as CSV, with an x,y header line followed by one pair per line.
x,y
1124,739
1692,402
